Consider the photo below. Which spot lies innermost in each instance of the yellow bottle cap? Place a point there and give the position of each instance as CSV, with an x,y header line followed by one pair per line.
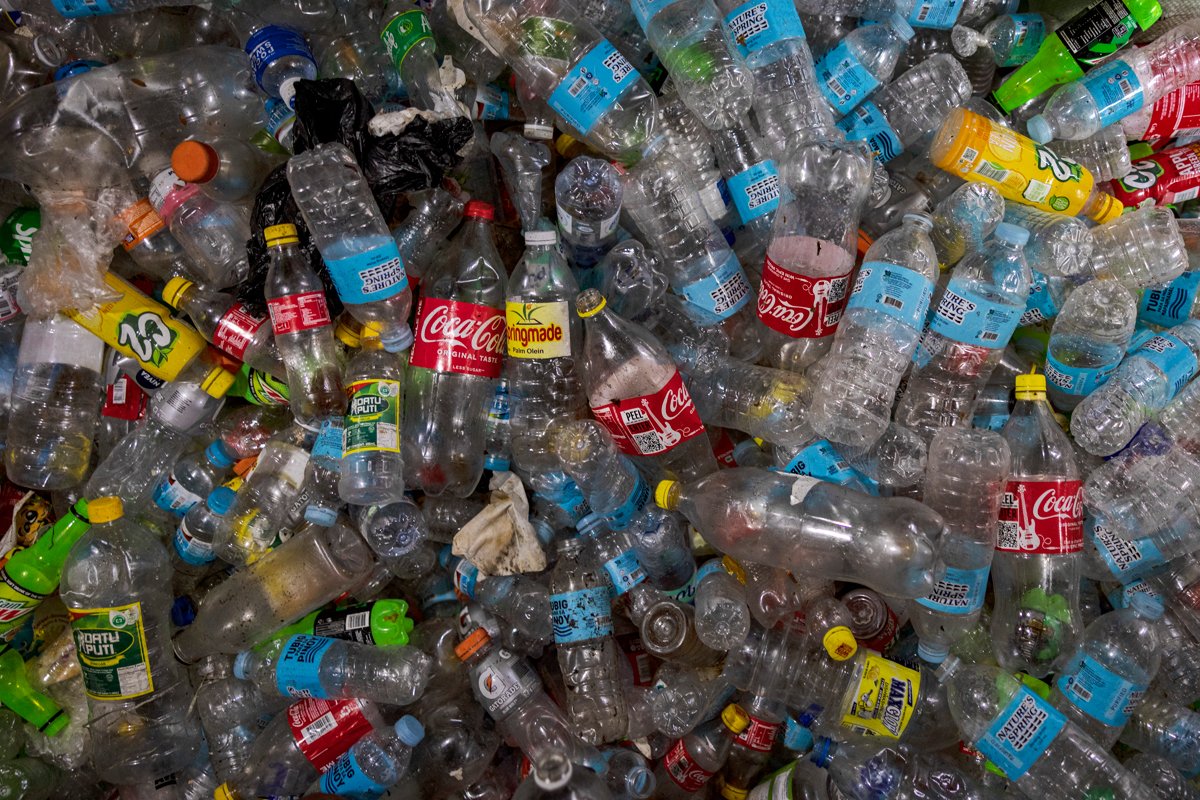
x,y
563,144
840,643
664,497
589,303
736,719
280,234
217,382
105,509
1031,386
223,792
368,338
174,290
347,331
732,792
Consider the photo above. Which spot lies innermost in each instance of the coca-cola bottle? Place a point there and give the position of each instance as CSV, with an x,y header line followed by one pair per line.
x,y
638,395
1036,570
455,363
692,761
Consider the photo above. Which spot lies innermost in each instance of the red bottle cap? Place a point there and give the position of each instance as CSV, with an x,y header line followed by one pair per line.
x,y
480,209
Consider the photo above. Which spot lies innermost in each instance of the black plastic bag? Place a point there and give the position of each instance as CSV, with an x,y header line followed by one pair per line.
x,y
417,157
331,110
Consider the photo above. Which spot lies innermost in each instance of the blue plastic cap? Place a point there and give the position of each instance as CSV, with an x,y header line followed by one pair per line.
x,y
496,463
901,26
319,515
823,751
1145,605
401,340
1013,234
797,737
590,524
183,611
640,782
410,730
1039,129
932,652
220,499
218,453
240,663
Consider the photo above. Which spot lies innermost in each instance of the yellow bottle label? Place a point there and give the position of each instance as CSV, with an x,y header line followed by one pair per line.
x,y
143,329
111,646
538,330
885,698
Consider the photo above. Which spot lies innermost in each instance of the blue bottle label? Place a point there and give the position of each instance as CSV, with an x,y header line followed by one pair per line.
x,y
965,317
868,124
297,672
593,86
173,498
272,43
893,290
1173,357
1126,559
1140,337
1029,31
960,591
376,274
844,80
755,191
1040,306
720,294
820,460
82,8
1022,732
581,615
329,441
935,13
466,575
189,549
567,496
1171,304
1116,89
758,24
624,514
347,779
1099,692
1076,381
624,572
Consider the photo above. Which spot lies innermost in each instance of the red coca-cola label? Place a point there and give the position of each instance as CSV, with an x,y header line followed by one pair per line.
x,y
654,423
124,399
452,336
723,449
1042,517
683,769
236,329
293,313
800,306
1175,112
325,729
1172,176
641,662
760,735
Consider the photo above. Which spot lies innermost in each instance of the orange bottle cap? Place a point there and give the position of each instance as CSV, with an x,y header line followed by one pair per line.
x,y
194,162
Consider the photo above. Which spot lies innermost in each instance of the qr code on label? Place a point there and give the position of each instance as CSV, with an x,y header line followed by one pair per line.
x,y
648,443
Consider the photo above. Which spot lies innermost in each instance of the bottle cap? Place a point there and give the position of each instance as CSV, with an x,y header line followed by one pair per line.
x,y
347,330
223,792
479,210
183,611
924,220
195,162
217,382
240,663
1149,607
410,730
731,792
665,496
932,652
1013,234
796,736
564,143
589,303
840,643
399,340
822,751
105,509
475,640
735,718
320,516
218,453
390,624
277,235
1039,129
220,500
541,238
173,291
1031,386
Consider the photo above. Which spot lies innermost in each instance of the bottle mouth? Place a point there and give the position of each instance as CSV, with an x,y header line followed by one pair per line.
x,y
589,303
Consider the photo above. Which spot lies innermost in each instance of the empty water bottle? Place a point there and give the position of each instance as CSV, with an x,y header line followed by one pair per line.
x,y
1088,341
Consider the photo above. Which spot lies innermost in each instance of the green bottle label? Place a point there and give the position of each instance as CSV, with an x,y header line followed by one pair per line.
x,y
15,601
405,32
264,389
373,418
111,646
16,234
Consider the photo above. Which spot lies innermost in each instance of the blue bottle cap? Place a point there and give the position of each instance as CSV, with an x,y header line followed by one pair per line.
x,y
823,751
220,499
410,730
1014,234
796,736
1149,607
932,652
218,453
240,663
183,611
398,342
319,515
1039,129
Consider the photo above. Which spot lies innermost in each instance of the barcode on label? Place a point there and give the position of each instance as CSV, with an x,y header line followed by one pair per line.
x,y
577,86
989,336
894,302
359,619
836,87
924,13
1126,89
1081,692
990,171
318,728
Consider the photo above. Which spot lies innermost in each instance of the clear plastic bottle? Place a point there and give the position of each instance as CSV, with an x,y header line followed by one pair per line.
x,y
772,518
1167,782
116,586
1165,729
1058,246
193,478
56,394
346,225
1121,86
227,170
455,363
192,545
1036,570
964,221
967,335
753,182
722,616
408,37
372,469
1105,154
375,763
1140,249
638,395
1010,39
587,195
227,323
862,62
435,213
212,233
252,525
876,337
1145,382
614,488
692,761
965,482
522,601
230,711
1088,341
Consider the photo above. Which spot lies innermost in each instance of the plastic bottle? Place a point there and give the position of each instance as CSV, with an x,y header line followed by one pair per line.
x,y
31,574
692,761
965,482
1165,729
753,182
116,589
1171,115
722,615
213,233
303,329
1088,341
56,394
193,478
726,508
375,762
254,522
971,326
876,337
347,227
435,213
861,63
1058,246
587,196
614,488
1010,39
227,170
192,543
1140,249
1037,565
1120,87
1091,35
229,710
279,55
1146,381
964,221
372,469
227,323
408,37
454,364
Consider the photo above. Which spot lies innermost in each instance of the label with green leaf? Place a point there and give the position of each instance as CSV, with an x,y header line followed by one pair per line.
x,y
111,646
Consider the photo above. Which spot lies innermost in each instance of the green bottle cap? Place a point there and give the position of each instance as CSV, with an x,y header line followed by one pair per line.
x,y
16,234
390,624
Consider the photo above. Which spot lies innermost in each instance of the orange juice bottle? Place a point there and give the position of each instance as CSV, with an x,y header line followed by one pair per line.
x,y
974,148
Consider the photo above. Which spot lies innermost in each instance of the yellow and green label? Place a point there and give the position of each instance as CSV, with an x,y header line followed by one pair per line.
x,y
405,32
885,698
373,418
111,646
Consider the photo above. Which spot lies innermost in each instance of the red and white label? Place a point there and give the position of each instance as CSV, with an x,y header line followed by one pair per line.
x,y
124,399
1174,112
236,329
800,306
887,634
652,424
325,729
760,735
452,336
1043,517
293,313
683,769
723,449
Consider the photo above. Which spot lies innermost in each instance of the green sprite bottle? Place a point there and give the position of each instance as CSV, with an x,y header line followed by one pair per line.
x,y
1095,33
32,574
18,695
380,622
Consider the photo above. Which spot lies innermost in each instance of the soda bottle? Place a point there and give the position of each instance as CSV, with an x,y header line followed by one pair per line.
x,y
372,470
31,574
31,705
409,40
1037,565
226,323
692,761
375,762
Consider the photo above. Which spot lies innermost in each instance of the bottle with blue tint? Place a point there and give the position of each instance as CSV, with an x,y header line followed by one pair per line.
x,y
862,62
192,544
193,478
279,56
1088,341
375,763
